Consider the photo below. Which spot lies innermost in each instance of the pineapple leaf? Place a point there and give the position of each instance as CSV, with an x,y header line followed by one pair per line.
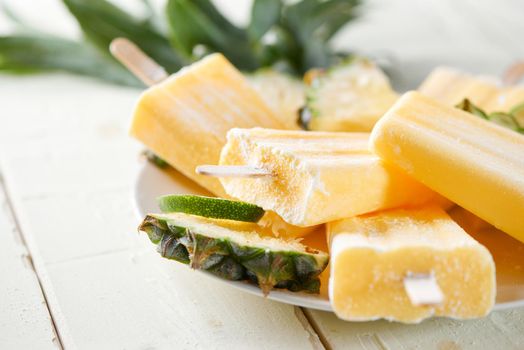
x,y
264,15
468,106
190,26
508,120
300,35
311,23
218,19
330,16
49,53
102,22
155,160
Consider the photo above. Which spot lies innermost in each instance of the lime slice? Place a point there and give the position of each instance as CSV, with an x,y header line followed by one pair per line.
x,y
209,207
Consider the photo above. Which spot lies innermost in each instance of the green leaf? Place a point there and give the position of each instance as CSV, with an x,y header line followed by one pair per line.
x,y
190,27
302,30
509,120
468,106
102,22
312,23
504,119
330,16
155,160
25,53
212,13
264,14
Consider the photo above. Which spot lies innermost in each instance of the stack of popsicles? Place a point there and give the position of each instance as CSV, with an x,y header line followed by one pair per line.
x,y
395,252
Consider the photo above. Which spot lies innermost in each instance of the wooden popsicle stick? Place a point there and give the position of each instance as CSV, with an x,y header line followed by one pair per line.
x,y
514,73
423,289
232,171
140,64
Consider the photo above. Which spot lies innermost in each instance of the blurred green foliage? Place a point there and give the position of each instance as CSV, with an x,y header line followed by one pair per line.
x,y
293,36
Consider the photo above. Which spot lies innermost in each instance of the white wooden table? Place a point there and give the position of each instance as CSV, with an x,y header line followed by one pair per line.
x,y
73,273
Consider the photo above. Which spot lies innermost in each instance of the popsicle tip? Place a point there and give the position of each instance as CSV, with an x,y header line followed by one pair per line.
x,y
232,171
138,63
423,289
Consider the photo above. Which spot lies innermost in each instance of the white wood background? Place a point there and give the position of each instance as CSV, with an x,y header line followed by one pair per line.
x,y
73,273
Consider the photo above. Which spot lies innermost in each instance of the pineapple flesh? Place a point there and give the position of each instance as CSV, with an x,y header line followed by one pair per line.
x,y
282,93
349,97
236,251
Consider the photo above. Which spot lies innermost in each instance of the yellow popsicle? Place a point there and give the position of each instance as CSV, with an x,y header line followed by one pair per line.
x,y
185,118
317,176
451,86
476,164
371,255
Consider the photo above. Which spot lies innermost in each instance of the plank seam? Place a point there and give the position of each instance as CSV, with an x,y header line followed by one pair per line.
x,y
314,325
29,259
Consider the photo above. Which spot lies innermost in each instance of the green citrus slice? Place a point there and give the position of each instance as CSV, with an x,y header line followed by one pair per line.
x,y
210,207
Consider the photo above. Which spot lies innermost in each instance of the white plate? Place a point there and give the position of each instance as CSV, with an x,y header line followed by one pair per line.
x,y
152,182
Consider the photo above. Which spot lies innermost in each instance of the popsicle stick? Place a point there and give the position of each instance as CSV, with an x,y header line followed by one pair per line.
x,y
423,289
514,73
232,171
140,64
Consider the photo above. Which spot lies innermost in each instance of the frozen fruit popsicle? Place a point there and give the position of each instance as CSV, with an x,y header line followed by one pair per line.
x,y
476,164
451,86
372,257
315,177
184,119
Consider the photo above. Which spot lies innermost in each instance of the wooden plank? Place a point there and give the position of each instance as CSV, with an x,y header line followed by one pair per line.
x,y
137,300
500,330
133,297
106,286
25,321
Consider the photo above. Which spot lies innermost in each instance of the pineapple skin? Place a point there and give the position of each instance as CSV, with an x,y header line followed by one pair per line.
x,y
229,259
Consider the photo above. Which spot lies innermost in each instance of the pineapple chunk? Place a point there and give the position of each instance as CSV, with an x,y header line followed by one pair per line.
x,y
348,97
282,93
235,250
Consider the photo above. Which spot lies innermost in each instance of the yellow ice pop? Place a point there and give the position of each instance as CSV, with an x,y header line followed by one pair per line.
x,y
315,177
185,118
451,86
375,256
476,164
